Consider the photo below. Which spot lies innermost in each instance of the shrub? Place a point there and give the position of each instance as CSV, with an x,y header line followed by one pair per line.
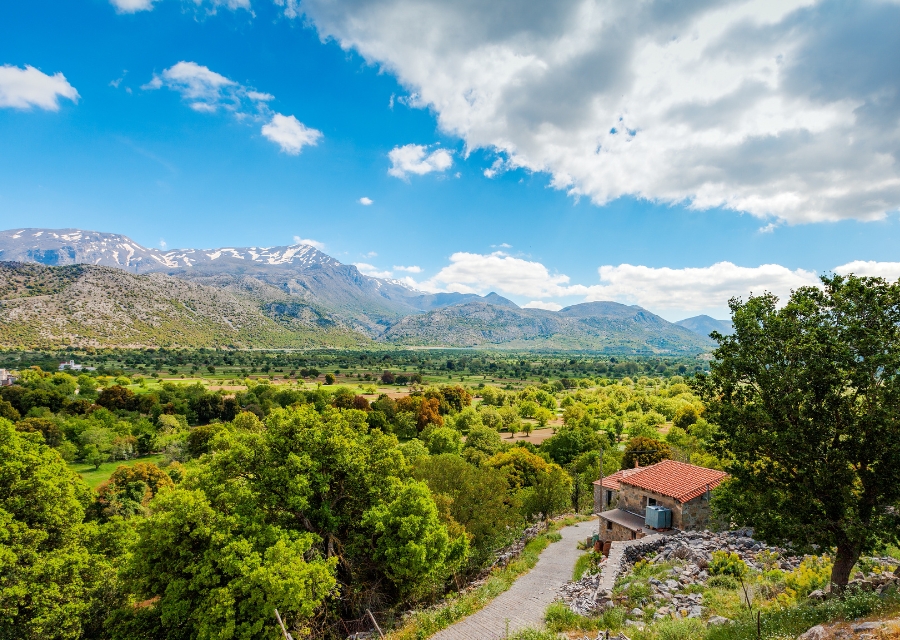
x,y
727,564
722,582
813,573
687,629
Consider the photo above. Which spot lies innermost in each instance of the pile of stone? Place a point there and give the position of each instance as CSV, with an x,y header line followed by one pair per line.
x,y
581,596
696,547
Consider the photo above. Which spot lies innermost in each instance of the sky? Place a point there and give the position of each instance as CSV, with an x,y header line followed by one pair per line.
x,y
670,155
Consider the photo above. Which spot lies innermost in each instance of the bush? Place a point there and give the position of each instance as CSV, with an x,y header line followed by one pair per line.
x,y
722,582
727,564
687,629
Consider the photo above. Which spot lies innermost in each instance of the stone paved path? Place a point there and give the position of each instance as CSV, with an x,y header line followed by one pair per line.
x,y
526,601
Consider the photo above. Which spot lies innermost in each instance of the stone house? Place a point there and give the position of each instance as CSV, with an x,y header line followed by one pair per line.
x,y
683,488
606,491
6,378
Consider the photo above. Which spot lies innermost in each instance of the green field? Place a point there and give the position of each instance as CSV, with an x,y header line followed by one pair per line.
x,y
96,477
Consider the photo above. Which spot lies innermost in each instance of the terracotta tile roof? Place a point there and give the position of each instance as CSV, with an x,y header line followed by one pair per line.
x,y
612,482
676,479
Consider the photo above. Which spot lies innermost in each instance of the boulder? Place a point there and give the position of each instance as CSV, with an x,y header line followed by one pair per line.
x,y
717,620
818,632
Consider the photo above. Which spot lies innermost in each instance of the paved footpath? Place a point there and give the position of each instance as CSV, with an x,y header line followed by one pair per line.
x,y
526,601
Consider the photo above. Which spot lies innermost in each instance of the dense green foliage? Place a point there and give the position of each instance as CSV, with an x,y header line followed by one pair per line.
x,y
807,402
321,501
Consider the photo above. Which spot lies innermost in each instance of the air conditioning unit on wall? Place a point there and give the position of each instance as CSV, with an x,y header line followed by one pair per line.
x,y
658,517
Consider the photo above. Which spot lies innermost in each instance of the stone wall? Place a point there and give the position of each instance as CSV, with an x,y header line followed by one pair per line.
x,y
601,504
618,532
695,514
635,500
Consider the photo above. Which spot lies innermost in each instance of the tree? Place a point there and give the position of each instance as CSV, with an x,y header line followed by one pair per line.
x,y
543,416
642,452
93,455
387,377
570,442
807,403
443,440
411,542
685,417
329,378
47,574
527,428
475,498
549,495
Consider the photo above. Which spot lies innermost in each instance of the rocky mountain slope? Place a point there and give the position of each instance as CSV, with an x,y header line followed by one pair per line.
x,y
101,306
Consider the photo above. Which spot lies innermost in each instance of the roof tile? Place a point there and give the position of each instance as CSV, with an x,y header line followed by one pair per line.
x,y
675,479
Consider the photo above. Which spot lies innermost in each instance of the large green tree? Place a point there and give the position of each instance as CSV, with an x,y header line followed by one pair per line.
x,y
807,400
48,575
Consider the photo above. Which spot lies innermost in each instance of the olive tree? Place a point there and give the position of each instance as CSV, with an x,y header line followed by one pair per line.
x,y
807,400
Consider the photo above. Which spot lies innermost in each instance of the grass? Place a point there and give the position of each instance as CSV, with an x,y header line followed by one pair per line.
x,y
584,564
95,477
424,624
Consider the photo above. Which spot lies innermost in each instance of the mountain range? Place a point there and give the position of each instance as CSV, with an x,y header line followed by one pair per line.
x,y
68,286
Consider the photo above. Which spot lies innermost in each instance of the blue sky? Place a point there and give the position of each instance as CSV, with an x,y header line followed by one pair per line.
x,y
668,143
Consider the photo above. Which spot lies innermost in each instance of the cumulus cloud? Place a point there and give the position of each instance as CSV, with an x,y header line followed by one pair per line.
x,y
695,287
886,270
540,304
206,91
415,159
689,290
313,243
371,270
29,87
290,134
410,269
132,6
787,110
364,201
474,272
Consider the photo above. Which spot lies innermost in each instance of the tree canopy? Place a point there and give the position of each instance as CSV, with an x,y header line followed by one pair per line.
x,y
807,402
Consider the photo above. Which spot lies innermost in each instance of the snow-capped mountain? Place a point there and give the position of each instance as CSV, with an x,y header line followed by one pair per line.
x,y
55,247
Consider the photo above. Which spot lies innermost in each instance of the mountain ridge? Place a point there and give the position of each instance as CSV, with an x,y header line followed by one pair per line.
x,y
298,288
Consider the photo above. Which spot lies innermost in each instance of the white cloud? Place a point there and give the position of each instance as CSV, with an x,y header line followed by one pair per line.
x,y
290,134
202,88
313,243
415,159
687,290
370,254
29,87
410,269
782,109
364,201
371,270
474,272
132,6
886,270
162,244
697,288
206,91
540,304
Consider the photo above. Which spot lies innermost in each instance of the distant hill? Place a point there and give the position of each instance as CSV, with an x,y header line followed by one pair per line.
x,y
604,326
281,296
704,325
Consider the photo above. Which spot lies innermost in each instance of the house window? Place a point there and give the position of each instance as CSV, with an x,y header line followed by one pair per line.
x,y
609,525
651,502
608,497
